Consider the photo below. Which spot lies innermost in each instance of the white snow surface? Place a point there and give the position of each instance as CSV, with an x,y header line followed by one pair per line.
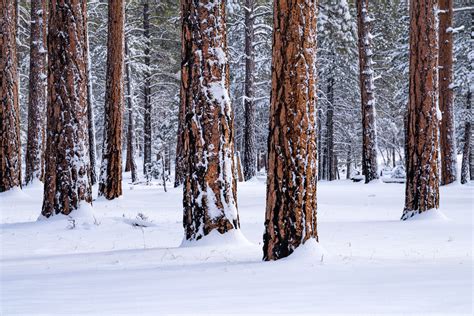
x,y
367,261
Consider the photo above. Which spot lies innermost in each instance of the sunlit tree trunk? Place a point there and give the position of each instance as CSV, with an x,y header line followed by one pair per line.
x,y
210,189
110,185
446,95
290,217
422,185
10,147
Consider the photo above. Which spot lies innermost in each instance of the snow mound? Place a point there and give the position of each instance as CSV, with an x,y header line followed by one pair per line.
x,y
430,215
232,238
83,216
13,195
311,250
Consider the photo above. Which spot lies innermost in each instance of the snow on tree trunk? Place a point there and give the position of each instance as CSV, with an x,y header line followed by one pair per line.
x,y
423,115
290,217
90,102
130,164
366,81
67,175
446,95
147,92
210,189
10,147
471,91
330,170
110,185
250,156
467,140
180,154
37,93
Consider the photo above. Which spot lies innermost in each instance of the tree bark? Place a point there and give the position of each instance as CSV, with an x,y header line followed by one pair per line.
x,y
110,185
330,171
446,96
366,80
210,188
90,104
37,93
422,185
290,217
147,92
67,175
130,164
10,147
466,153
249,131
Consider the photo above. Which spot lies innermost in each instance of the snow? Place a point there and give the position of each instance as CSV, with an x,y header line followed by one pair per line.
x,y
132,259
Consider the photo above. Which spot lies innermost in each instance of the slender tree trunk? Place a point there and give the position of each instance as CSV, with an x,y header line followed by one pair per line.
x,y
320,144
147,91
290,217
249,132
471,91
422,186
67,175
110,185
446,96
366,79
90,104
210,188
348,163
467,141
37,94
130,165
10,147
331,172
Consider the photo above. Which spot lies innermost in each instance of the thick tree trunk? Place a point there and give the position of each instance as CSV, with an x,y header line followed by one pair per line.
x,y
330,171
147,92
249,131
130,164
110,185
366,80
446,96
37,93
466,153
210,188
290,217
10,147
67,175
422,185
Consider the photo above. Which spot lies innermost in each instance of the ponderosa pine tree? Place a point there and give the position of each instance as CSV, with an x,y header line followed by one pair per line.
x,y
466,154
110,184
37,93
10,147
330,168
67,174
290,217
250,156
446,96
366,82
147,130
422,125
209,193
90,108
130,164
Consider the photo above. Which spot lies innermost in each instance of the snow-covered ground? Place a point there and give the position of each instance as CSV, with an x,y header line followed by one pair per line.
x,y
373,262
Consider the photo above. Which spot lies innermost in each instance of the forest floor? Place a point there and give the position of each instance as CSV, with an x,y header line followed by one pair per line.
x,y
373,262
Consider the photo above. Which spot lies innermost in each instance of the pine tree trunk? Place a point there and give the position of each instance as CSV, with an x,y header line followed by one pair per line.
x,y
210,188
348,163
366,79
446,97
130,164
466,153
37,93
422,186
320,144
147,92
471,91
90,103
110,185
67,174
330,171
10,147
290,217
249,132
